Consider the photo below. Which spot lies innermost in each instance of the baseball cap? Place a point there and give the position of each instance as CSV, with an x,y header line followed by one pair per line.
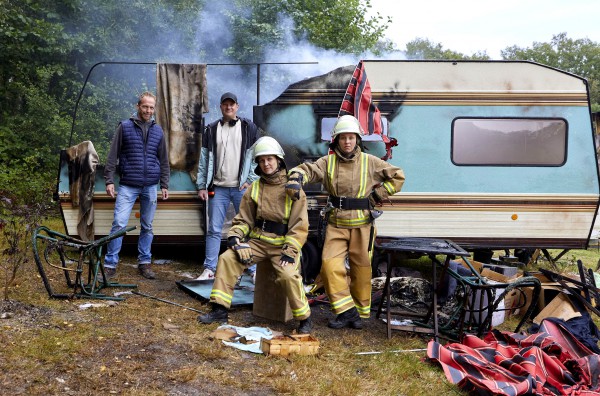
x,y
228,95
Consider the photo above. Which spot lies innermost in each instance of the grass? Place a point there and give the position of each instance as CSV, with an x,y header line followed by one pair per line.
x,y
142,346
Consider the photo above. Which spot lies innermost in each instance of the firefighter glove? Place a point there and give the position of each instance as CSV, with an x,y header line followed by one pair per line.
x,y
286,260
378,195
294,185
244,252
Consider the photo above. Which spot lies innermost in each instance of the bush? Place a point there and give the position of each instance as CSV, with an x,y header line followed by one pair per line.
x,y
22,208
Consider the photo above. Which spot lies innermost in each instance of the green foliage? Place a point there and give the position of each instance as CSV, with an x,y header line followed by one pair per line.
x,y
421,48
341,25
579,57
134,30
24,202
255,30
34,84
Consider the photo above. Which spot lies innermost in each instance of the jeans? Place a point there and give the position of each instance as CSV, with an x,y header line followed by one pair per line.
x,y
126,197
217,209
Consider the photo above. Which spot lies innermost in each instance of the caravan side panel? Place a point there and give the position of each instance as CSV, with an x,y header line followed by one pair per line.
x,y
479,206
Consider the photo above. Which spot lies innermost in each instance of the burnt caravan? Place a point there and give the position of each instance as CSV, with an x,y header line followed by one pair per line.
x,y
497,155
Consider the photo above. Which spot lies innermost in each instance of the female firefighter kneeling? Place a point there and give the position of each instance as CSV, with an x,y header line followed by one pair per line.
x,y
275,228
353,180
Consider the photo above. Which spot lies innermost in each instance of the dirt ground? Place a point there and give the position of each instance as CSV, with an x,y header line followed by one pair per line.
x,y
145,346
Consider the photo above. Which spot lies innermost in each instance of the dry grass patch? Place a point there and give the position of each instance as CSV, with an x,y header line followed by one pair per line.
x,y
141,346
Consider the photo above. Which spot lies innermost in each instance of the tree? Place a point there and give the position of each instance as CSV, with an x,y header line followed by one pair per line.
x,y
34,86
422,48
24,202
580,57
340,25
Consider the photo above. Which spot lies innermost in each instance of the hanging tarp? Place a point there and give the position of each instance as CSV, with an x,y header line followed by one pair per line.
x,y
182,99
243,294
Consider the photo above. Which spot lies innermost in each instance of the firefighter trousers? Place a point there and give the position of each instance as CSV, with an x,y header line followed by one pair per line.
x,y
229,268
352,243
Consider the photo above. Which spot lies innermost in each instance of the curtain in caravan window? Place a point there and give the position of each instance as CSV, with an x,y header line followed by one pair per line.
x,y
182,99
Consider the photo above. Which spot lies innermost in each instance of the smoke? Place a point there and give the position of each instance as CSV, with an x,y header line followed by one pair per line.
x,y
292,61
289,62
208,43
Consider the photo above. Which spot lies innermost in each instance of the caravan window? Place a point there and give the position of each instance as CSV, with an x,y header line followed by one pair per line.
x,y
327,124
509,141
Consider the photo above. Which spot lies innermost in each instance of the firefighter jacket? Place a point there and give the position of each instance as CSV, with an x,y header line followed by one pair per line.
x,y
266,201
355,176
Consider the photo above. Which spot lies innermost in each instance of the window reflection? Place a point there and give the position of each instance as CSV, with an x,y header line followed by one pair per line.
x,y
509,141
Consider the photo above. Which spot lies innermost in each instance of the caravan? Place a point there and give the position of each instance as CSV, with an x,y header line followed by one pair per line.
x,y
497,155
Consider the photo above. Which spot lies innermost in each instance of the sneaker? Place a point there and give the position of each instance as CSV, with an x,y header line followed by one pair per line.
x,y
349,318
146,271
110,273
207,274
218,313
305,326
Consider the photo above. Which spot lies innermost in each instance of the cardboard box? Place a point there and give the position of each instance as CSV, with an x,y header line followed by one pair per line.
x,y
476,264
560,307
301,344
511,302
495,276
548,291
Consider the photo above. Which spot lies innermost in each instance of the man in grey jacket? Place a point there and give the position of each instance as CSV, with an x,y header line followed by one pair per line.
x,y
224,172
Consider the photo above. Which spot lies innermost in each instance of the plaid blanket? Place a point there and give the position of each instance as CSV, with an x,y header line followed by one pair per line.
x,y
550,362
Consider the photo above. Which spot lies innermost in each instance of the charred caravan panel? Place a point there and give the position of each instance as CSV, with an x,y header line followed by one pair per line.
x,y
496,154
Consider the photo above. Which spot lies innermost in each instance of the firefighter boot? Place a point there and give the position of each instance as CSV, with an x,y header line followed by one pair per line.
x,y
349,318
218,313
305,326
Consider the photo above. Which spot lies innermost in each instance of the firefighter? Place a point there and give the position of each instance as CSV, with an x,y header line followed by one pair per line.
x,y
355,181
269,229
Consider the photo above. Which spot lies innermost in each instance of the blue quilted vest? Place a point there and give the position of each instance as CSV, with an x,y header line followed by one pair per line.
x,y
139,165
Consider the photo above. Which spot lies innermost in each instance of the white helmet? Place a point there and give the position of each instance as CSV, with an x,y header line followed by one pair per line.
x,y
266,145
347,124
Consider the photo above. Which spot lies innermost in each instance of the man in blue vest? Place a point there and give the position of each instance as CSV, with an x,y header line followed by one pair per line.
x,y
139,153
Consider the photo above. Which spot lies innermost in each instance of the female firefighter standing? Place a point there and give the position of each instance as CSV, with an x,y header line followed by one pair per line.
x,y
275,228
354,181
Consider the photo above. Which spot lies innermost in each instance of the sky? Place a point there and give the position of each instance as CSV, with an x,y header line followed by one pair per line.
x,y
468,26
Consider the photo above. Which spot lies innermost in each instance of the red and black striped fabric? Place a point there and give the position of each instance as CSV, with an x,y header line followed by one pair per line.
x,y
550,362
359,103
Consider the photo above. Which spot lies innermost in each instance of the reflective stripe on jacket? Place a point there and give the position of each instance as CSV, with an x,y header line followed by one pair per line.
x,y
266,199
353,177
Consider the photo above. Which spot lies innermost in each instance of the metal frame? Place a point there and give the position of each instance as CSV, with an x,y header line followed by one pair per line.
x,y
57,247
468,316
